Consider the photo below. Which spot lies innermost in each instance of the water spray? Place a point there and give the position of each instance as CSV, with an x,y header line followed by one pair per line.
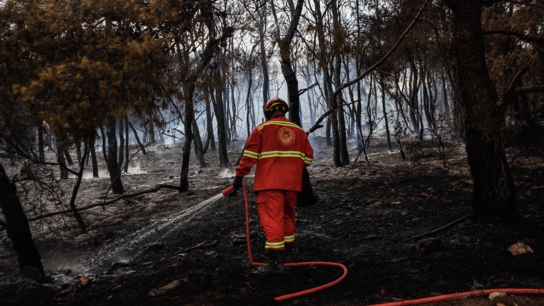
x,y
294,264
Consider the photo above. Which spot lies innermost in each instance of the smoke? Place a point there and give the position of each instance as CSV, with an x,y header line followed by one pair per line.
x,y
227,173
135,169
103,172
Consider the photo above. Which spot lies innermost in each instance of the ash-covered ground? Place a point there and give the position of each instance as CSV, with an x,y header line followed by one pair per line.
x,y
366,218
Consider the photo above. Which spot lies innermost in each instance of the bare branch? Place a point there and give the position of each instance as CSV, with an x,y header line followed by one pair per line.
x,y
523,90
517,34
302,91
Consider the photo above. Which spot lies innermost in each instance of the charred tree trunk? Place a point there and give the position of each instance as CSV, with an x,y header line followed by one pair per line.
x,y
104,147
209,121
126,145
40,144
142,147
17,226
78,154
68,157
60,159
199,150
226,107
220,117
493,197
93,158
113,167
186,154
338,42
79,220
385,112
151,132
333,118
328,132
121,145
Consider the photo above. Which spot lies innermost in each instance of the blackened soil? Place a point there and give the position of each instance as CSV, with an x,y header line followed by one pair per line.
x,y
365,220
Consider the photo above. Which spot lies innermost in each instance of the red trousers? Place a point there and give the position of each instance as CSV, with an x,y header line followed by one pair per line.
x,y
277,216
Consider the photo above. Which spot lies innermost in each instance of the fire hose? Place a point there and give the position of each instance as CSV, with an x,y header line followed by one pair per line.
x,y
320,263
294,264
462,294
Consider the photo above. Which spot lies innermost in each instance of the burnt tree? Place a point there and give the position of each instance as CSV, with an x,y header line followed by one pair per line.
x,y
493,197
113,168
17,224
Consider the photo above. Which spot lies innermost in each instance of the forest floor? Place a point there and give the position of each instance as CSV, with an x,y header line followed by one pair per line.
x,y
366,218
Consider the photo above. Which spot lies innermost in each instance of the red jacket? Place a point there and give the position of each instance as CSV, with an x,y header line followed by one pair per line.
x,y
281,150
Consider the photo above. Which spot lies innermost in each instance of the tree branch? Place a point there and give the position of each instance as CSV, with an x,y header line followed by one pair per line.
x,y
523,90
515,81
302,91
517,34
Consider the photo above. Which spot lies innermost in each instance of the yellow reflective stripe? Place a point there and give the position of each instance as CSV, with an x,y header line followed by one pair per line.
x,y
285,154
251,154
289,238
274,104
290,124
282,153
274,245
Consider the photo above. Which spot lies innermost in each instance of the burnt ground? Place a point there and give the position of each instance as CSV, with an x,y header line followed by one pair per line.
x,y
365,219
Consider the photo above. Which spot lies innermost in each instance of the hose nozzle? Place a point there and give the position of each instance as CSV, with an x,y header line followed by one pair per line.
x,y
227,191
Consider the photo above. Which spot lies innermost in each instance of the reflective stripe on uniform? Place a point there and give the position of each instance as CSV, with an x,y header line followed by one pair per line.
x,y
286,154
289,238
290,124
274,245
251,154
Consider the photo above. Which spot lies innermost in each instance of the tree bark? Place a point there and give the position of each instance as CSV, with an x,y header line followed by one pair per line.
x,y
493,197
113,167
17,226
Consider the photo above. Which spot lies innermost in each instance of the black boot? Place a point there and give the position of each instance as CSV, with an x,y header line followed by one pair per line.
x,y
288,255
275,264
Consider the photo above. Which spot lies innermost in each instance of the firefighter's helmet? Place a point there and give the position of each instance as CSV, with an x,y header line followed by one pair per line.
x,y
276,104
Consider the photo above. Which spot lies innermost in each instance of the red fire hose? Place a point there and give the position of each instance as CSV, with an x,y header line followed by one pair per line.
x,y
463,294
402,303
314,263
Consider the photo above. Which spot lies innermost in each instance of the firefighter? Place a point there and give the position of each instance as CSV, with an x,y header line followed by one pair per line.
x,y
281,150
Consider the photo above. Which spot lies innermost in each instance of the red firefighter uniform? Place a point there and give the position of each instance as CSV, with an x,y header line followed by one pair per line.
x,y
281,150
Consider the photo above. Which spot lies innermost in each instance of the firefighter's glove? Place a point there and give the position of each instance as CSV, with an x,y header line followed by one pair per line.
x,y
237,184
